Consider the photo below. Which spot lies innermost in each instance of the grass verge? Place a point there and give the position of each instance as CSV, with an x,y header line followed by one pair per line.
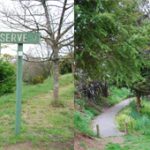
x,y
41,122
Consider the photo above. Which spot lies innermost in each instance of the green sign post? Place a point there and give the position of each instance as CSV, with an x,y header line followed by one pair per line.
x,y
19,38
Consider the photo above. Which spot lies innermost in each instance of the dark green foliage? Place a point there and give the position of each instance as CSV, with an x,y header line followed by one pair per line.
x,y
108,40
33,71
92,110
7,77
65,66
142,87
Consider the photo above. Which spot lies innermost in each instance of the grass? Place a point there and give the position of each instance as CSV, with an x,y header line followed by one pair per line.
x,y
83,117
41,122
32,90
117,95
136,121
138,128
132,142
82,121
113,146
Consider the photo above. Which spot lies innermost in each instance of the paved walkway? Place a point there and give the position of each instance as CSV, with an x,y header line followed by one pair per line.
x,y
106,120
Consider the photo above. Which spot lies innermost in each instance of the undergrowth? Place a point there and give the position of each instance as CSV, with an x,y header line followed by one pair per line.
x,y
117,95
82,122
135,121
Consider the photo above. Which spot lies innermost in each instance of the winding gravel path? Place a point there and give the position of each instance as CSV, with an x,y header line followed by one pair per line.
x,y
106,120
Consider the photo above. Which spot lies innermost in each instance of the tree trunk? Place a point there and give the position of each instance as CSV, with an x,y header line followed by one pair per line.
x,y
105,90
73,67
138,102
56,76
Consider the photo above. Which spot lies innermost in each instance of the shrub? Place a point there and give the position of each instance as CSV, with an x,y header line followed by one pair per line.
x,y
7,77
65,66
125,119
34,73
38,79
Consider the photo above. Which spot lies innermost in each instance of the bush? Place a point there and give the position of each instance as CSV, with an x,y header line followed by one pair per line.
x,y
38,79
65,66
7,77
33,73
128,120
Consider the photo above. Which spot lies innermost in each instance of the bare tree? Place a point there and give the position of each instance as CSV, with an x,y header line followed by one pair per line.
x,y
53,18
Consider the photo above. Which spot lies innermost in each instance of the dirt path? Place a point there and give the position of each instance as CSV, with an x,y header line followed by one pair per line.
x,y
106,120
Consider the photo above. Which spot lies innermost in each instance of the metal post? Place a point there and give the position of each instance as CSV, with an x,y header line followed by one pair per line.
x,y
19,88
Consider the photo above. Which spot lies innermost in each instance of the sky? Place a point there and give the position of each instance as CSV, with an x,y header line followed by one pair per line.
x,y
12,49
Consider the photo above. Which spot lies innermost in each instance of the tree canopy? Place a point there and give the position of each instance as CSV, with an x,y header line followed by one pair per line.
x,y
110,37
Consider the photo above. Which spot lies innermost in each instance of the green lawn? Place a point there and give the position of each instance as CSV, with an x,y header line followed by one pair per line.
x,y
42,124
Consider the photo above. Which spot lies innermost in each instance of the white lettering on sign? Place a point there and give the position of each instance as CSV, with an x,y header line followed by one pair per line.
x,y
13,37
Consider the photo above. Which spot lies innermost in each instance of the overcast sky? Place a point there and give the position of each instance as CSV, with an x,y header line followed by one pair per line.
x,y
12,49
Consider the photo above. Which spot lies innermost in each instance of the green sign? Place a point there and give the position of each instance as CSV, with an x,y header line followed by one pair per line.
x,y
20,37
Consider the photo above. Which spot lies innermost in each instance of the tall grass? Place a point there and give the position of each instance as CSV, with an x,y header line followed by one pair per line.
x,y
82,122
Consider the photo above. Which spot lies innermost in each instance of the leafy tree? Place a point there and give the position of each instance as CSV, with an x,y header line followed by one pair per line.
x,y
110,37
53,19
142,87
107,35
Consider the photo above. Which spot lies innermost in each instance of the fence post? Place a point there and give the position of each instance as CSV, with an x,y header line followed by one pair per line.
x,y
126,127
98,131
